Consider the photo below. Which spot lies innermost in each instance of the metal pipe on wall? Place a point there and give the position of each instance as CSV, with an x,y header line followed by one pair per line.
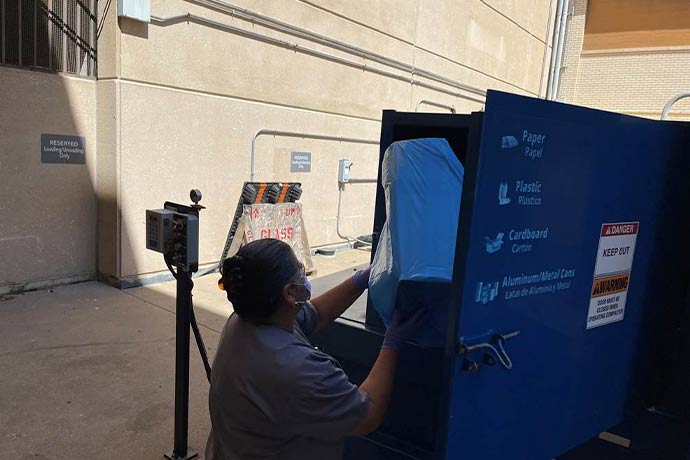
x,y
257,18
189,17
275,132
561,42
667,108
337,216
325,137
362,181
554,49
435,104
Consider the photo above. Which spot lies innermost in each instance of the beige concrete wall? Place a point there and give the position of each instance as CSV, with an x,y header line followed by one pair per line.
x,y
47,211
182,101
211,150
635,81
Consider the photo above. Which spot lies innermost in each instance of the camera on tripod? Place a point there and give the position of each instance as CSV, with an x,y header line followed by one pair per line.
x,y
174,232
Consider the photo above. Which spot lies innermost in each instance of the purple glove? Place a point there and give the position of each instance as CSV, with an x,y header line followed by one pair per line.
x,y
361,278
404,326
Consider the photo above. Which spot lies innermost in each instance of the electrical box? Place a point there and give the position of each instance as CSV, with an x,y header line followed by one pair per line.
x,y
158,229
344,171
139,10
174,234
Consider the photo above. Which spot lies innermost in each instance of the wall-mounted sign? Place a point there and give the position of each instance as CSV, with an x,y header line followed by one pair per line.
x,y
300,162
612,273
56,148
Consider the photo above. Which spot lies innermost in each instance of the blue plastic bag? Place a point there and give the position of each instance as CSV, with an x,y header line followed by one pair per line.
x,y
422,180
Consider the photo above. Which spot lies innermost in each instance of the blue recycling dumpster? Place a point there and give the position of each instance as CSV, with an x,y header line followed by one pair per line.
x,y
573,324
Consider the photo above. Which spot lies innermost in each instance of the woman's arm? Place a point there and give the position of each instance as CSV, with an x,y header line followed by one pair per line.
x,y
332,303
378,385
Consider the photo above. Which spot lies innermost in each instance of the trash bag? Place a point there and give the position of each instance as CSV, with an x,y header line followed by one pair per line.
x,y
422,180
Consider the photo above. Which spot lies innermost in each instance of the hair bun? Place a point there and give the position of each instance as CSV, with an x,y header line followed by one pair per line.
x,y
233,270
237,261
233,264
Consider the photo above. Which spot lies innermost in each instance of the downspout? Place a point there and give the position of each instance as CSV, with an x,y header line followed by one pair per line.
x,y
561,42
555,49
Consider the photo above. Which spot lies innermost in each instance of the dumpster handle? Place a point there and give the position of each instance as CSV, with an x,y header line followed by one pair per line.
x,y
496,347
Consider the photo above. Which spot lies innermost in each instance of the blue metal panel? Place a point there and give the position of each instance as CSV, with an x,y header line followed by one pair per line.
x,y
568,382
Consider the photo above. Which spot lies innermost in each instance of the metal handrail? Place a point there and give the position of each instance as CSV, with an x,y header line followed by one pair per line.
x,y
324,137
667,108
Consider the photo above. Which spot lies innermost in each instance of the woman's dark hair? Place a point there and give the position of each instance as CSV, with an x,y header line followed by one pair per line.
x,y
255,276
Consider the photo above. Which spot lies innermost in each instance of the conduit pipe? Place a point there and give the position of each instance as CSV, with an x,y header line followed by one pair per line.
x,y
559,55
257,18
189,17
555,47
667,108
275,132
340,234
435,104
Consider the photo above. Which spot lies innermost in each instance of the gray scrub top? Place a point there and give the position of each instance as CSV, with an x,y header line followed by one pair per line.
x,y
274,396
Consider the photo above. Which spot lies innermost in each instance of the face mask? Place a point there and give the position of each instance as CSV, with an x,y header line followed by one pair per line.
x,y
306,285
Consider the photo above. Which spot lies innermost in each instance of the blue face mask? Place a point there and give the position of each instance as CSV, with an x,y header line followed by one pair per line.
x,y
307,288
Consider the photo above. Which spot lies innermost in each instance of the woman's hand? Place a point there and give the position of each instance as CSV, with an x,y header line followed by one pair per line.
x,y
361,278
404,326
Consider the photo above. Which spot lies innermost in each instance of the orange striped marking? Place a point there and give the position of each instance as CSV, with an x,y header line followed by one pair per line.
x,y
260,195
283,192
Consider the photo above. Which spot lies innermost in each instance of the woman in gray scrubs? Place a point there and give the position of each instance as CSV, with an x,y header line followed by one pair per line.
x,y
273,395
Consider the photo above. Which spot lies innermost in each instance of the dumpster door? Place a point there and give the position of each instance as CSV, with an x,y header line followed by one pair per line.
x,y
563,258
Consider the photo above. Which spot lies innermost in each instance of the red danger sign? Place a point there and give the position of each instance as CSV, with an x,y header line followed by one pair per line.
x,y
627,228
616,248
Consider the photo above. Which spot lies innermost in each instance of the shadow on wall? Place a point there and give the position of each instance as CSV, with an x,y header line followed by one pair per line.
x,y
48,149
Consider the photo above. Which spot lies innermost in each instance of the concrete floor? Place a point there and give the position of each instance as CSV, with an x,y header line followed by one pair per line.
x,y
87,371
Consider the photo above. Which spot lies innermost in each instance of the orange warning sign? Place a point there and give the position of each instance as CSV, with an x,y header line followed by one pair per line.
x,y
610,285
